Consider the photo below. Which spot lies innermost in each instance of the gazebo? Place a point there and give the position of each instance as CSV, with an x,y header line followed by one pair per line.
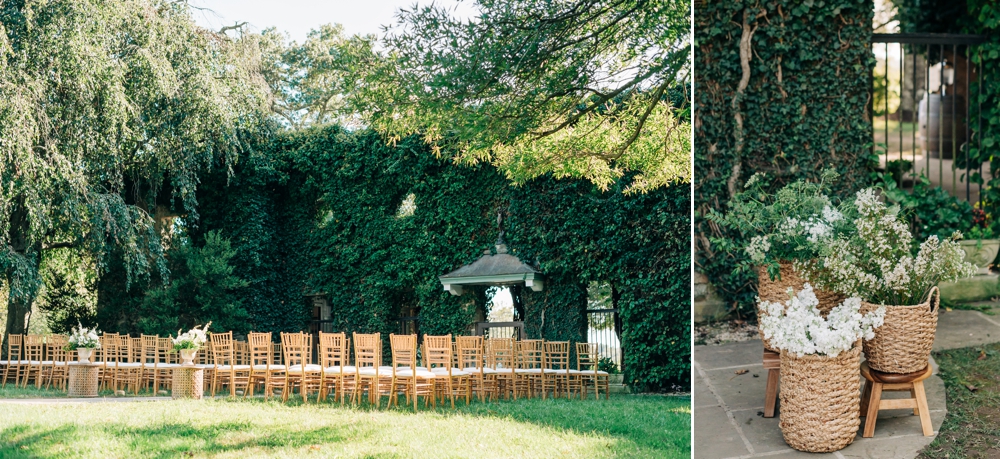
x,y
493,269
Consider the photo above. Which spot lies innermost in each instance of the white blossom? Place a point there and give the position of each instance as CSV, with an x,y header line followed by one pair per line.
x,y
797,326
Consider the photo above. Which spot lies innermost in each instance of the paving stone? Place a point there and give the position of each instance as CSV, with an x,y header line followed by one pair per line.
x,y
729,355
958,329
764,433
740,392
703,396
718,436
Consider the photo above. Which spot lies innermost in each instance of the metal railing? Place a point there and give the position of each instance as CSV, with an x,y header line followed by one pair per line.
x,y
604,329
500,330
930,130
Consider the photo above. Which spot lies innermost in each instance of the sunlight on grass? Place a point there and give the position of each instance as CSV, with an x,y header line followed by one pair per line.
x,y
625,426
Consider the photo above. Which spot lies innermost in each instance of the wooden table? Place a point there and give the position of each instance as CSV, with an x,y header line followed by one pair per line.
x,y
83,379
188,382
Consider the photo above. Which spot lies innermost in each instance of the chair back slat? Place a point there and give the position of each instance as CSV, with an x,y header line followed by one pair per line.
x,y
333,350
438,350
404,350
260,348
34,347
500,353
367,350
530,354
295,346
556,354
149,354
222,348
55,348
470,351
15,347
587,357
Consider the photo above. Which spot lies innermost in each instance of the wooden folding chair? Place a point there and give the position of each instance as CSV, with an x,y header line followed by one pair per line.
x,y
528,376
373,377
34,352
471,359
586,373
227,371
449,381
502,360
263,371
55,361
339,376
555,368
299,372
407,377
127,370
14,362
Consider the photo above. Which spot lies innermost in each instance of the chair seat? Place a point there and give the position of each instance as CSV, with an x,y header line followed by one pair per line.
x,y
268,368
370,371
505,371
528,371
588,372
551,371
406,373
163,366
474,370
311,368
338,370
454,371
233,367
127,365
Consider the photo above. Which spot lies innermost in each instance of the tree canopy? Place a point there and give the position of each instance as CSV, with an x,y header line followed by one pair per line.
x,y
108,109
572,88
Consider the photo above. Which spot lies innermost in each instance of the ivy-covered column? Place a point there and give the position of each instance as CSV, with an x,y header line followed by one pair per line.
x,y
782,87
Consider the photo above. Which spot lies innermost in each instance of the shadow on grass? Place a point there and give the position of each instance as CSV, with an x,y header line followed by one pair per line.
x,y
170,440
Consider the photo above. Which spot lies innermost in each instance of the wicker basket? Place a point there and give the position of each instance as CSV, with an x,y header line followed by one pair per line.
x,y
188,382
83,380
820,400
777,291
903,343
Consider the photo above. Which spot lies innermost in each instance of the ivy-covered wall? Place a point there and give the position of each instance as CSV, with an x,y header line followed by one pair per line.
x,y
316,212
781,87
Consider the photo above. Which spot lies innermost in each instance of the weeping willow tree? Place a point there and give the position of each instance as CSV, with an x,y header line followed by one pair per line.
x,y
109,108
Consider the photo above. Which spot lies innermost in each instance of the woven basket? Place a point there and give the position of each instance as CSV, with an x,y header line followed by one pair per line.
x,y
903,343
83,380
777,291
820,400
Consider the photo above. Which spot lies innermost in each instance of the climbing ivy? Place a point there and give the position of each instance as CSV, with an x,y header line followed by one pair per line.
x,y
781,88
317,212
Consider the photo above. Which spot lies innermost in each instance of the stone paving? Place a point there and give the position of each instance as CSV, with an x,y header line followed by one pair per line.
x,y
728,407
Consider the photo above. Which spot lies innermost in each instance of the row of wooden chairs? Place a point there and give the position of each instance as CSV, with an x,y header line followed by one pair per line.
x,y
441,368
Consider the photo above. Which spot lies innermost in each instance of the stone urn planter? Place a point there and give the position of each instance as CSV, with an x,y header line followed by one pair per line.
x,y
83,354
981,252
187,356
616,383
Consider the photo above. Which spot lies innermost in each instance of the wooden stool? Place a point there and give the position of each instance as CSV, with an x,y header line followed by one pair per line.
x,y
877,382
772,363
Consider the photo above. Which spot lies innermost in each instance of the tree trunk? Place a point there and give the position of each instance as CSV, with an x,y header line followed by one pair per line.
x,y
18,305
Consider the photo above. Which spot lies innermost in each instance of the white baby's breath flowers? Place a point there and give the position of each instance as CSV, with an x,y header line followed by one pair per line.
x,y
194,338
797,326
82,337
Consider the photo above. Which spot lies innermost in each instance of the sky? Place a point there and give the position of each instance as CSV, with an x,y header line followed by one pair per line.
x,y
298,17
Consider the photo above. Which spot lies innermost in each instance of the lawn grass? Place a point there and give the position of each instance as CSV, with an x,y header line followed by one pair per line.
x,y
624,426
972,384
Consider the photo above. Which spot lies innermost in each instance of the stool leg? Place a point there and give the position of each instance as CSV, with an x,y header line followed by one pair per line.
x,y
771,396
873,402
913,395
866,395
925,415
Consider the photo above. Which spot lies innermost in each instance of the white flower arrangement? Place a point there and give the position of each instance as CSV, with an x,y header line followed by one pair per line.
x,y
797,326
82,337
194,338
876,263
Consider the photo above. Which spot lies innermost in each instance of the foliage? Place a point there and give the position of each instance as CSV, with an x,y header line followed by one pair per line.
x,y
608,365
318,213
797,326
877,262
69,296
781,88
203,288
573,88
785,225
108,109
313,82
932,211
971,377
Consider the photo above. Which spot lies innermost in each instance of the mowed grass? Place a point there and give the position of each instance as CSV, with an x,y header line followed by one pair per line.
x,y
972,383
624,426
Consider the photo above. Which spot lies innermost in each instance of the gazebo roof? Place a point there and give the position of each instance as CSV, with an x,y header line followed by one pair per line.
x,y
501,268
